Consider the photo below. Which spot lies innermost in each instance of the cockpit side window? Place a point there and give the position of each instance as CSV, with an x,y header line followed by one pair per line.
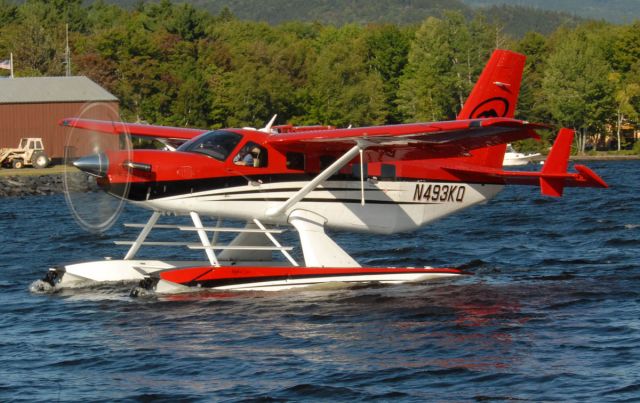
x,y
217,144
252,154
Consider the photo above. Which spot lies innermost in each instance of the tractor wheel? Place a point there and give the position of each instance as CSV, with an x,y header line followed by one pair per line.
x,y
17,163
40,160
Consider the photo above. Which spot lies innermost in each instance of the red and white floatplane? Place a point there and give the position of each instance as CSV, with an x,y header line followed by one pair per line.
x,y
382,179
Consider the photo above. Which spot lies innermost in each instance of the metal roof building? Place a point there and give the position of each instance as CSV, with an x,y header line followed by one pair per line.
x,y
33,106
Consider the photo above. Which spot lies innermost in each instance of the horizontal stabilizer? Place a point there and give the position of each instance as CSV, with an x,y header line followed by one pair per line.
x,y
552,179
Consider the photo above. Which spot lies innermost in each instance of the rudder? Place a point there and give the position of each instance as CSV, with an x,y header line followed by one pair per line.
x,y
495,95
496,91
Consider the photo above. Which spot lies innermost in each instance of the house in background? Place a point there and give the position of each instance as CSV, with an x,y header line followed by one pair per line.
x,y
34,106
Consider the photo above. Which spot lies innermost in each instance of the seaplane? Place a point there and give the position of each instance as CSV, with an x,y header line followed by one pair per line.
x,y
307,179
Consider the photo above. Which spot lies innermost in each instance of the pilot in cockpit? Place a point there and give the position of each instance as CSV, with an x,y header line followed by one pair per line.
x,y
249,157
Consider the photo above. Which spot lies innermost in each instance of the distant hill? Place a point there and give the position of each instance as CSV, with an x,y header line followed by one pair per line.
x,y
518,20
619,11
338,11
515,20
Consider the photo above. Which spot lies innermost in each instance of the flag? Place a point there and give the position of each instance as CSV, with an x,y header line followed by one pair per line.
x,y
5,64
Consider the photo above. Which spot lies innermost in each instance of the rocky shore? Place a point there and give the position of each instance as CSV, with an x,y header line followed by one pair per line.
x,y
26,185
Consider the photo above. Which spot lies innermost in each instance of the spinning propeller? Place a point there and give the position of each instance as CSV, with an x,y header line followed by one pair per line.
x,y
86,163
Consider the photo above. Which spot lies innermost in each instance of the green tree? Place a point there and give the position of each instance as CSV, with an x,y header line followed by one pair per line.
x,y
576,84
532,105
38,42
626,47
626,93
260,71
387,54
104,16
8,13
187,22
445,59
343,91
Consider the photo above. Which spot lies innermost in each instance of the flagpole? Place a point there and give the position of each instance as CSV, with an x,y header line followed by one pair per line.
x,y
67,52
11,63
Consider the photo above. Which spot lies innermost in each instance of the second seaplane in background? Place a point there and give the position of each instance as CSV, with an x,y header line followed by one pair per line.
x,y
382,179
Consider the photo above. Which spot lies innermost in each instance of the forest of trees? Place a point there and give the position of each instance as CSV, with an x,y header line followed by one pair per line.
x,y
174,64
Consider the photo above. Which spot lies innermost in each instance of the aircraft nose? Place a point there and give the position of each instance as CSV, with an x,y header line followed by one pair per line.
x,y
94,164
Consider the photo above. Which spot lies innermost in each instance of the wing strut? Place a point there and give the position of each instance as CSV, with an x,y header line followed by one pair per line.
x,y
204,239
143,235
309,187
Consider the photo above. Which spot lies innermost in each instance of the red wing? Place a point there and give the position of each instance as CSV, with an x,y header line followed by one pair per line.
x,y
455,137
104,126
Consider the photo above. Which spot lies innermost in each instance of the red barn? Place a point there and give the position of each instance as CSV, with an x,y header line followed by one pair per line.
x,y
33,106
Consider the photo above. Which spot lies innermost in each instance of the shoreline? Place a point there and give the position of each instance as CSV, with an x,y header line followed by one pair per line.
x,y
604,157
39,182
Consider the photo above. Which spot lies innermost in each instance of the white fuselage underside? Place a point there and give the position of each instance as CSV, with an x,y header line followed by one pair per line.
x,y
389,206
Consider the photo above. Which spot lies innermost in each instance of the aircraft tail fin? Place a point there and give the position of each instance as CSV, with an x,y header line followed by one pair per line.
x,y
495,95
496,91
556,164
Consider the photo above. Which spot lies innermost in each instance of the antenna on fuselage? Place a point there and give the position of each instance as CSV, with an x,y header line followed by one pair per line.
x,y
267,128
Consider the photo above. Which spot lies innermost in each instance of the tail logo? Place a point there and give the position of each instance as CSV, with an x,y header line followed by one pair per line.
x,y
491,108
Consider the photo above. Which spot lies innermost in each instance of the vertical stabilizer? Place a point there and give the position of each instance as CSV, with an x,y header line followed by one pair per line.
x,y
496,91
495,95
556,164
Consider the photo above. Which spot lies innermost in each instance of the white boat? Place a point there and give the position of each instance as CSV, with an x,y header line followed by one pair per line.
x,y
514,158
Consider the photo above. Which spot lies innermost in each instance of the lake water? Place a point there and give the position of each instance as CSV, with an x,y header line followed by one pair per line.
x,y
550,314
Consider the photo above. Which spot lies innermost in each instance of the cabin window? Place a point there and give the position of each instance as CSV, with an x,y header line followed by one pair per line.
x,y
252,155
295,161
388,171
355,170
217,144
326,160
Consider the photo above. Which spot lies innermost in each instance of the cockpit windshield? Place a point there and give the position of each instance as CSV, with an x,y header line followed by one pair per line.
x,y
217,144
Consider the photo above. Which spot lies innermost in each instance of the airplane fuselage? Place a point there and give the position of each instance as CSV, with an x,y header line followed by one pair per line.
x,y
387,206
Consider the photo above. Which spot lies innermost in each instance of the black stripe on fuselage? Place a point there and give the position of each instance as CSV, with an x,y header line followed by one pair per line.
x,y
156,190
318,200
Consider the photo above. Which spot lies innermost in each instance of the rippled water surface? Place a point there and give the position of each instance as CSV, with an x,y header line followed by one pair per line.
x,y
550,314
